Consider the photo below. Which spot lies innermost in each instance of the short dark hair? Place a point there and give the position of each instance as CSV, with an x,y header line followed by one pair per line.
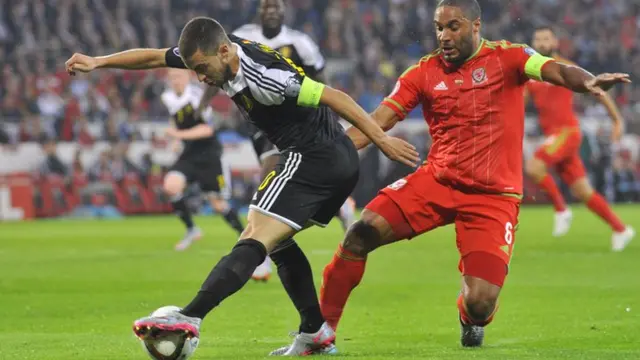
x,y
545,27
201,33
470,8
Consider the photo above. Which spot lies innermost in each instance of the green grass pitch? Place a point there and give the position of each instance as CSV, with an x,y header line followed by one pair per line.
x,y
71,289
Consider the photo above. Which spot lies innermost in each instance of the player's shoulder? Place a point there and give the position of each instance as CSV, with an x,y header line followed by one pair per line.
x,y
428,61
167,95
298,35
258,56
246,30
508,49
503,45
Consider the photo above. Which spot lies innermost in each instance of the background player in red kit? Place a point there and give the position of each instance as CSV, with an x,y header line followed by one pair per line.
x,y
471,91
561,149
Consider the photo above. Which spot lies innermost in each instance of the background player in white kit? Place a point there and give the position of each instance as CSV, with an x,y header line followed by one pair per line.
x,y
201,157
304,52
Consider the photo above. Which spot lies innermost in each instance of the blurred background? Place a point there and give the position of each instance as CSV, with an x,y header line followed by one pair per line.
x,y
72,145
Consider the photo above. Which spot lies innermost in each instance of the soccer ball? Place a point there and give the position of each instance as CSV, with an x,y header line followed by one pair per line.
x,y
169,345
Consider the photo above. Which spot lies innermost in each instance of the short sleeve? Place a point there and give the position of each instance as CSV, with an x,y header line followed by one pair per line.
x,y
407,93
527,62
271,86
172,58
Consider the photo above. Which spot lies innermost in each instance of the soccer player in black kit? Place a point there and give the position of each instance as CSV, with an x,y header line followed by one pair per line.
x,y
317,171
305,53
201,158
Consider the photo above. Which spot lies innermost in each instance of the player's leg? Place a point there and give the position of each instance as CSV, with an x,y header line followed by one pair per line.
x,y
574,174
213,177
262,234
485,228
554,150
546,157
347,213
174,185
269,157
338,181
400,211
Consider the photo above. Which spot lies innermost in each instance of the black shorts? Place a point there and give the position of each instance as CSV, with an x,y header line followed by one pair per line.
x,y
208,171
309,186
263,147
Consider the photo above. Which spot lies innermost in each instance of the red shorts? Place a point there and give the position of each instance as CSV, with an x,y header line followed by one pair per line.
x,y
561,151
485,223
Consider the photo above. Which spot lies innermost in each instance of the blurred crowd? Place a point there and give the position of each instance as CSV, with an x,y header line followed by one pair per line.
x,y
381,37
369,43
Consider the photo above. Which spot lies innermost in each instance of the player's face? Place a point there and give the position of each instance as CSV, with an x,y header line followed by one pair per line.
x,y
455,33
178,79
272,13
213,70
545,42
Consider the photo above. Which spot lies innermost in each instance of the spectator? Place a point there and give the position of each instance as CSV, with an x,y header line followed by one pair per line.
x,y
52,165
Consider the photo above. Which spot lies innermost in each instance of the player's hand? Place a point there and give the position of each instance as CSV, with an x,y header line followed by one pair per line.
x,y
80,62
399,150
600,84
171,132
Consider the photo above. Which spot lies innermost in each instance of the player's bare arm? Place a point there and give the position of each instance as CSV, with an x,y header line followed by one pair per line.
x,y
135,59
385,117
614,114
580,80
394,148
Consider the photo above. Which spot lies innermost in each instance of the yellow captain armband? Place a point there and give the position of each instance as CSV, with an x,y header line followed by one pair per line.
x,y
533,66
310,93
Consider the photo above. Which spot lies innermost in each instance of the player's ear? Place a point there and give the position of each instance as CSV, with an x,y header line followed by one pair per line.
x,y
224,52
476,25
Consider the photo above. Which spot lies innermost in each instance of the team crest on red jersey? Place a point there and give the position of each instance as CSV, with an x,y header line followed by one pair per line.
x,y
479,76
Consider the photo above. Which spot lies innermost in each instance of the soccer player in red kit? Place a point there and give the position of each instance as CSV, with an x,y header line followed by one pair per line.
x,y
471,93
561,150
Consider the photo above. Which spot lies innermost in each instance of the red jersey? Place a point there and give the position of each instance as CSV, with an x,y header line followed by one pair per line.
x,y
475,113
554,104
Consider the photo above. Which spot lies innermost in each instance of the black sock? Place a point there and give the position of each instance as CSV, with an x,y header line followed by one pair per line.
x,y
227,277
231,216
181,209
295,274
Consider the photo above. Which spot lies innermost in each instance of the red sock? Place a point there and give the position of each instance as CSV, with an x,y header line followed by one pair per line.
x,y
547,184
599,205
342,275
466,319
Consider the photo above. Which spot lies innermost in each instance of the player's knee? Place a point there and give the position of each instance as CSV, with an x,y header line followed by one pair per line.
x,y
363,237
173,184
535,168
481,301
581,189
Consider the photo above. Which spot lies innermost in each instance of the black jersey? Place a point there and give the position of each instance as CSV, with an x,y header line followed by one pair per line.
x,y
182,108
266,90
